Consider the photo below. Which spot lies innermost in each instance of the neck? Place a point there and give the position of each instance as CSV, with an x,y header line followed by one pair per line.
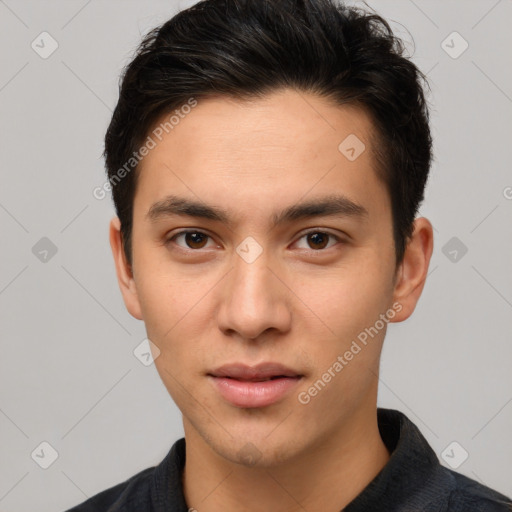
x,y
327,477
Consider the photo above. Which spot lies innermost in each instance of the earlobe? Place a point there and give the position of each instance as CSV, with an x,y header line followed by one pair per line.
x,y
123,270
412,274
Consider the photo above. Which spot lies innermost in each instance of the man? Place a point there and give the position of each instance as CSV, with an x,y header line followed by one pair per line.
x,y
267,160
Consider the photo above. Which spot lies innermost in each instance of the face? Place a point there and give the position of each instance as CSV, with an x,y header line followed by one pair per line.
x,y
275,247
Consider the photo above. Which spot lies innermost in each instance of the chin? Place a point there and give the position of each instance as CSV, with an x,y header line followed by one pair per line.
x,y
257,451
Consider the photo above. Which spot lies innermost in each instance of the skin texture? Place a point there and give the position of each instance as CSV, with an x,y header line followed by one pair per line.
x,y
296,304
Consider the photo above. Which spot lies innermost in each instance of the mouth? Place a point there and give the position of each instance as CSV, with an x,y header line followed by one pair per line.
x,y
260,379
254,386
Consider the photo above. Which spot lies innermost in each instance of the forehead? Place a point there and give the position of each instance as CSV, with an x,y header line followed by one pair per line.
x,y
279,148
277,121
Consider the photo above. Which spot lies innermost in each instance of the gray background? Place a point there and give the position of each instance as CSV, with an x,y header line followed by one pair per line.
x,y
68,375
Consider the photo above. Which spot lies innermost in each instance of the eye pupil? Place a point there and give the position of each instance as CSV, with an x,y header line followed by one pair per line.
x,y
318,239
195,240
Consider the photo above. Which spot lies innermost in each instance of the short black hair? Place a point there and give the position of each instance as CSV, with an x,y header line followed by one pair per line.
x,y
246,49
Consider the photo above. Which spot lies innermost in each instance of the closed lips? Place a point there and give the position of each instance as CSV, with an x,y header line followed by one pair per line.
x,y
258,373
261,379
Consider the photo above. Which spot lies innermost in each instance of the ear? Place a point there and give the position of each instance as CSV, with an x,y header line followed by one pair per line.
x,y
412,272
124,271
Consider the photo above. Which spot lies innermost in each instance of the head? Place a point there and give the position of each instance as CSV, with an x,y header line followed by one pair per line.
x,y
291,140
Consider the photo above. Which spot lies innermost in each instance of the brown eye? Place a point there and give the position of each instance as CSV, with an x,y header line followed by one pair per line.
x,y
196,240
317,240
191,239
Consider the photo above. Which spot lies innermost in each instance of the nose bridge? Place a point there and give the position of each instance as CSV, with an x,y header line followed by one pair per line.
x,y
253,302
251,281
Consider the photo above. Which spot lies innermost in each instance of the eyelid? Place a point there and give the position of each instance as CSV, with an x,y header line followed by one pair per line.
x,y
327,231
171,238
324,231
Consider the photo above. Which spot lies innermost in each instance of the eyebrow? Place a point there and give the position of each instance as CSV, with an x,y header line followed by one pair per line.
x,y
332,205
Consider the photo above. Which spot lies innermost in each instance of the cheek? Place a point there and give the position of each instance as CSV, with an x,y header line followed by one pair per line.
x,y
346,300
346,357
166,293
160,307
176,309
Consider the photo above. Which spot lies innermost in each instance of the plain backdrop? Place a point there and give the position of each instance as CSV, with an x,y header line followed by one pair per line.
x,y
68,374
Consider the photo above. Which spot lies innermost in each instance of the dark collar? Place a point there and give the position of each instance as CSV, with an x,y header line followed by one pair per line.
x,y
413,475
410,476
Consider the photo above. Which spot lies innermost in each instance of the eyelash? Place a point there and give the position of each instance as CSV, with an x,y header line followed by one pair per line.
x,y
195,231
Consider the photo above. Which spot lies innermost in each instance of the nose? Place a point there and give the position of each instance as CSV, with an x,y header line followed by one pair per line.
x,y
254,300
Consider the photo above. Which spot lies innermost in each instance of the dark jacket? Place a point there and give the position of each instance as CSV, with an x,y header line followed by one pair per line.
x,y
413,480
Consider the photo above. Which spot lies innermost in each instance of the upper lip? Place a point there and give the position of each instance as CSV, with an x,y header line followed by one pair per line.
x,y
261,371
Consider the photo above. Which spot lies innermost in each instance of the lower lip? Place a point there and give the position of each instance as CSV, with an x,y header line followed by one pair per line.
x,y
254,394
